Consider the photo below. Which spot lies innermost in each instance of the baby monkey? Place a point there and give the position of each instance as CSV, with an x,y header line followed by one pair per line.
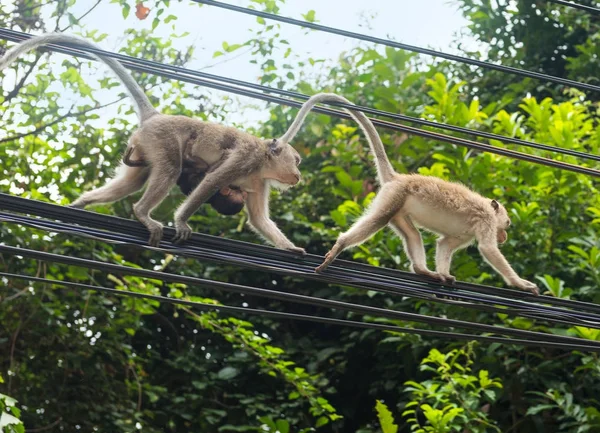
x,y
229,200
407,201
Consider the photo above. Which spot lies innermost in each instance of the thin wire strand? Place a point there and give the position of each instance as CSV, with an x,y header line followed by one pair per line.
x,y
489,304
135,65
342,271
20,36
289,297
304,317
574,5
413,48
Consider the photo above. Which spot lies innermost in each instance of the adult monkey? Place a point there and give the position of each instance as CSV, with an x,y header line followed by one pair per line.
x,y
407,201
236,158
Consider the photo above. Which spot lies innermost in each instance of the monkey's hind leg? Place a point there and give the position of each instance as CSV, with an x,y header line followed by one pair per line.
x,y
162,178
413,245
384,207
127,181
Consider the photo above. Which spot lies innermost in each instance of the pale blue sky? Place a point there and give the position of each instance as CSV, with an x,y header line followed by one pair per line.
x,y
431,23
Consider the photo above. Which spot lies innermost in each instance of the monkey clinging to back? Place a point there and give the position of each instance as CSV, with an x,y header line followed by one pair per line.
x,y
404,202
237,159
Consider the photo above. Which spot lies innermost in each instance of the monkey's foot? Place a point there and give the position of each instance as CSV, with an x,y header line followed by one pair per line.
x,y
526,285
428,273
77,204
295,249
447,278
156,234
182,233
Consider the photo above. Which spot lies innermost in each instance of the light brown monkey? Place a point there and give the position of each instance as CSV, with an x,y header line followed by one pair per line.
x,y
454,212
227,201
252,164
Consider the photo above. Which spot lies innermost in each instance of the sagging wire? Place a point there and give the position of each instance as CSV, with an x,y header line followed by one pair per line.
x,y
342,272
16,36
303,317
404,288
188,76
579,6
290,297
407,47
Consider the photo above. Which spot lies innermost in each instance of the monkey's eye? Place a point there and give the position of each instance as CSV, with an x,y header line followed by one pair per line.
x,y
298,160
507,223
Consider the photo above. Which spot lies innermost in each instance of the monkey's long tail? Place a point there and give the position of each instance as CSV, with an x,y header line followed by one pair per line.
x,y
384,168
144,107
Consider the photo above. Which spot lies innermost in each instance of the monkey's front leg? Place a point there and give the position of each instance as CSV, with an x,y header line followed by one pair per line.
x,y
258,214
490,252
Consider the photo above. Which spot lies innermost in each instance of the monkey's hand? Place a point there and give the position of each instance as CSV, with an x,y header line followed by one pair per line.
x,y
296,249
329,257
183,231
526,285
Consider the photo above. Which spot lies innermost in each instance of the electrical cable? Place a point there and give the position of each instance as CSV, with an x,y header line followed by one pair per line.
x,y
16,36
574,5
495,305
344,272
289,297
407,47
136,65
304,317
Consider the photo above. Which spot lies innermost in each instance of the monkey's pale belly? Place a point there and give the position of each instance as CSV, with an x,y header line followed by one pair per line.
x,y
436,219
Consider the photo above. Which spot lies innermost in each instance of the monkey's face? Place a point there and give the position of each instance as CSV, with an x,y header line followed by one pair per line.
x,y
282,164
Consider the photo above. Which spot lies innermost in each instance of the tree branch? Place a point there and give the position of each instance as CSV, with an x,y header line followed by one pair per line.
x,y
82,16
15,91
48,427
57,120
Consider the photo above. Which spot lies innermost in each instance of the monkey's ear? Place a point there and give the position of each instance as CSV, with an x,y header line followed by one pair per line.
x,y
495,205
274,147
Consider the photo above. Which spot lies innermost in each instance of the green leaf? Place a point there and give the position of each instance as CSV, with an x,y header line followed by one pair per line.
x,y
385,418
227,373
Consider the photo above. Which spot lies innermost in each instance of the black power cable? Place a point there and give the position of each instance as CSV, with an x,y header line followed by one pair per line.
x,y
574,5
290,297
410,289
294,316
413,48
478,302
16,36
137,65
249,254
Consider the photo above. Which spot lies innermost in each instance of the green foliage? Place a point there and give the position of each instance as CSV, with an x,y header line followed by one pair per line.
x,y
84,361
454,398
9,414
386,419
571,417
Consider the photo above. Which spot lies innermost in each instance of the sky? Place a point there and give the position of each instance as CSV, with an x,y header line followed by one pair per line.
x,y
430,23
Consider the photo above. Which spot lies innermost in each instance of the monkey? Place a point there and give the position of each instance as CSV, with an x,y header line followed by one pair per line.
x,y
407,202
252,164
227,201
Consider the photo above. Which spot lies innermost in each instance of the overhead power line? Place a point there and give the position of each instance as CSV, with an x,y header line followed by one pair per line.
x,y
142,66
407,288
413,48
590,9
260,257
304,317
16,36
292,297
